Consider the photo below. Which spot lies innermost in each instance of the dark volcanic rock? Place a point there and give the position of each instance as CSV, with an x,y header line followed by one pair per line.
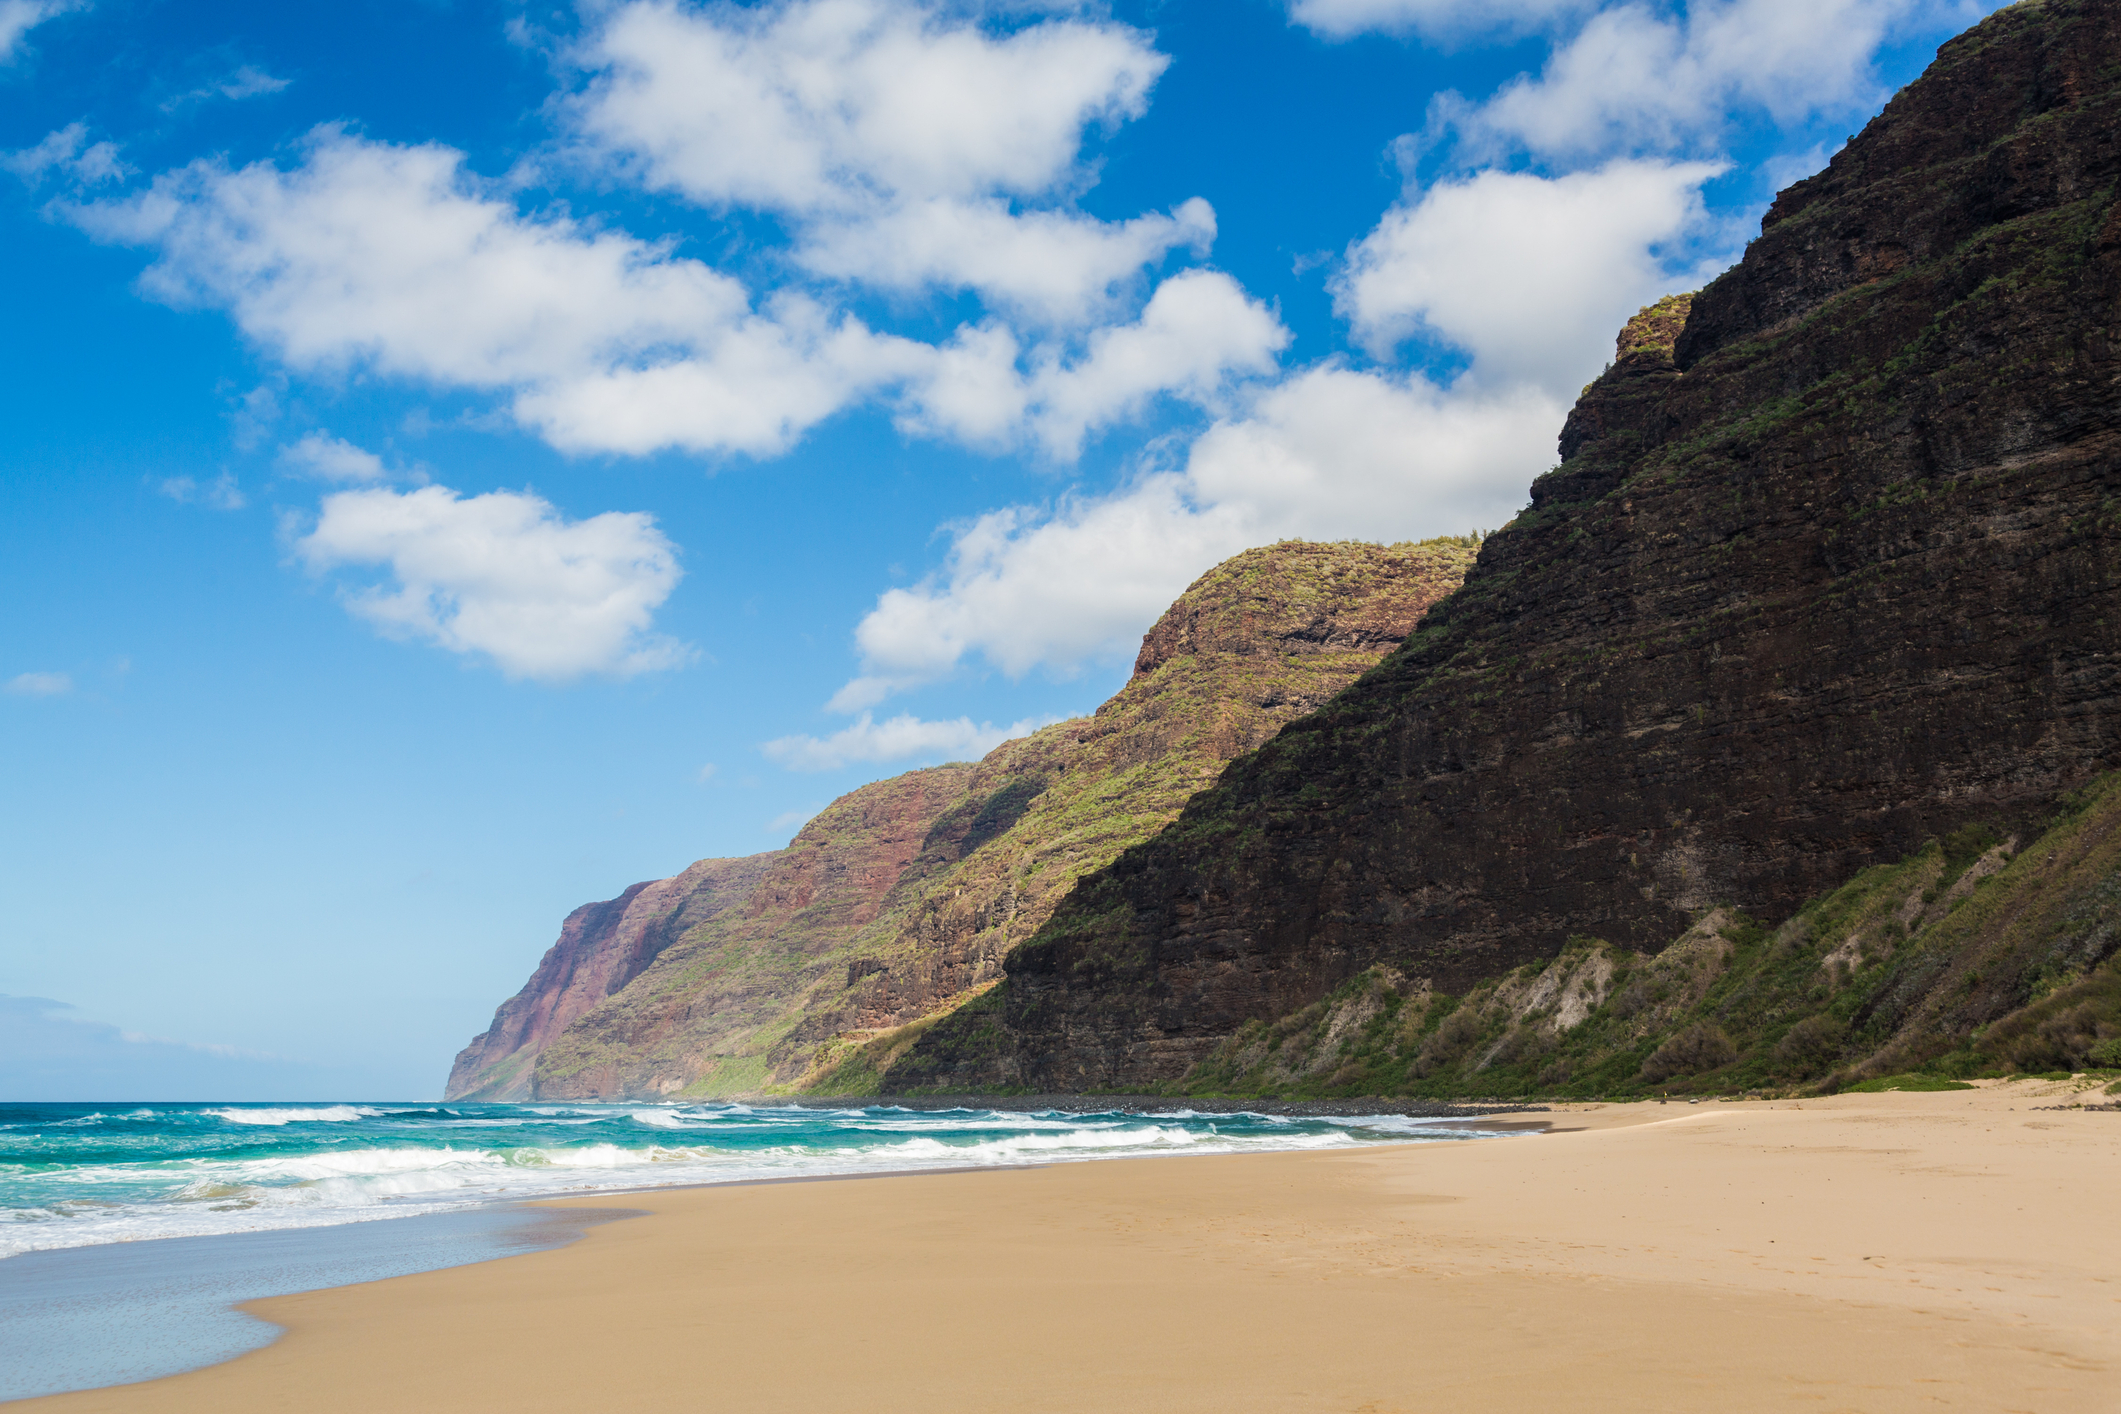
x,y
1830,570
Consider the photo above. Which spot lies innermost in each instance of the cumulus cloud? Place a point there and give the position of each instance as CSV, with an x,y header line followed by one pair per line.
x,y
897,739
1635,79
19,17
1343,19
1529,275
901,139
329,458
837,105
1046,267
68,151
1331,453
507,576
1198,333
40,684
397,259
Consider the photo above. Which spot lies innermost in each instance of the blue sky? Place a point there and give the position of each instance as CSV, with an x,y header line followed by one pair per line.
x,y
464,458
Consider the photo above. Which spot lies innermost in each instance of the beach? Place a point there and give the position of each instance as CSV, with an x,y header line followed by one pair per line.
x,y
1956,1250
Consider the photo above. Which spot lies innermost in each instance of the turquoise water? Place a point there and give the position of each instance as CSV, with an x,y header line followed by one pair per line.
x,y
86,1175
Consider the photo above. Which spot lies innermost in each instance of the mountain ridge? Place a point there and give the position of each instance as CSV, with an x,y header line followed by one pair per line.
x,y
1829,569
802,966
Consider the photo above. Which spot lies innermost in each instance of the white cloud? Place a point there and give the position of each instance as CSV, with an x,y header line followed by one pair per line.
x,y
1049,267
1343,19
19,17
1633,79
246,82
69,151
1332,453
1341,454
329,458
895,740
222,493
841,105
1198,332
507,576
1530,275
903,140
397,258
40,684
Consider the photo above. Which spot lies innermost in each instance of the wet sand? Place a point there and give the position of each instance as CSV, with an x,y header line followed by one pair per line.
x,y
1959,1250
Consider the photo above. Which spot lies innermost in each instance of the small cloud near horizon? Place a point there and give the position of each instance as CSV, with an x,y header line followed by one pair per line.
x,y
40,684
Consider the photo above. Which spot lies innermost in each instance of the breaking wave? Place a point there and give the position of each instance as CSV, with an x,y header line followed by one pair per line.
x,y
74,1175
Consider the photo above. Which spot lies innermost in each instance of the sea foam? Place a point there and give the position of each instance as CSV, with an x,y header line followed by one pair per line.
x,y
76,1175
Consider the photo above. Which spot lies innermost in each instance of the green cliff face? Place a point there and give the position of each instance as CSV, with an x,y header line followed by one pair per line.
x,y
897,904
1831,567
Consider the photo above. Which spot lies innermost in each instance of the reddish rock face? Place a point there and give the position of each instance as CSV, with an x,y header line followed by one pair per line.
x,y
900,900
602,947
833,877
1834,570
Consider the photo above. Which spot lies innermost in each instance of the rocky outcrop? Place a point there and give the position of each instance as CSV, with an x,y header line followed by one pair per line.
x,y
1829,568
695,1011
898,902
602,947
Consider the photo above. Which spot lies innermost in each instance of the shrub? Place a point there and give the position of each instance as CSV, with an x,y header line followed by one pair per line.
x,y
1691,1052
1447,1042
1812,1045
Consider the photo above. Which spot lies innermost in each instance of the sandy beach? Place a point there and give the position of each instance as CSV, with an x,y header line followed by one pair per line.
x,y
1958,1250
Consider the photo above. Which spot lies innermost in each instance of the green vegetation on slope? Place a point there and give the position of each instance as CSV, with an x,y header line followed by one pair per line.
x,y
808,987
1971,957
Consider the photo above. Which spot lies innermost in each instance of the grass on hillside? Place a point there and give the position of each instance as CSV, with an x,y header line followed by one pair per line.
x,y
1971,957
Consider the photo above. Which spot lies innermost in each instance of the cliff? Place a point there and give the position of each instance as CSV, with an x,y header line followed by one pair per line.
x,y
1976,955
602,947
1828,570
815,966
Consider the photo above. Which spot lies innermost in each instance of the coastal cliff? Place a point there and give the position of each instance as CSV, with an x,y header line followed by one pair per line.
x,y
815,966
1830,569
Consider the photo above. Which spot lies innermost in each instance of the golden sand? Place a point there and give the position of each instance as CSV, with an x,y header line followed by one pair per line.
x,y
1874,1253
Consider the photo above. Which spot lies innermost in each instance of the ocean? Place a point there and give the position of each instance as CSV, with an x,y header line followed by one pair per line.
x,y
82,1175
261,1199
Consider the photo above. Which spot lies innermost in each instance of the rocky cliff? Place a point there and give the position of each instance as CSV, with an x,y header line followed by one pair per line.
x,y
1831,566
602,947
815,966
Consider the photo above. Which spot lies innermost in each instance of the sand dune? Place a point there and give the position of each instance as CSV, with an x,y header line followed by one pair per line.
x,y
1937,1251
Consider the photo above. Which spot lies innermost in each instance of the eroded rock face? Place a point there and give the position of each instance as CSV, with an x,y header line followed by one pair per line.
x,y
602,947
694,1011
902,898
1828,569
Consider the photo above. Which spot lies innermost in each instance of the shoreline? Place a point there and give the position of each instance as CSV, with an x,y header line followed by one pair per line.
x,y
1873,1252
68,1304
112,1313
